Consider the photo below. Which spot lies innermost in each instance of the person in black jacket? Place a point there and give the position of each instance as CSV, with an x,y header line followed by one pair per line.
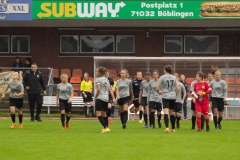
x,y
17,64
34,83
28,63
111,103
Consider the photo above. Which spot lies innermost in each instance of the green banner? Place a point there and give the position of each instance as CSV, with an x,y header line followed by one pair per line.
x,y
130,10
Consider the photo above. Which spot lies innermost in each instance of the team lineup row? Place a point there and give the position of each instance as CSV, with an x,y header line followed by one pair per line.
x,y
162,92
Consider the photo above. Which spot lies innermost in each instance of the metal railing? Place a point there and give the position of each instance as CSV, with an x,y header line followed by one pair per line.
x,y
46,72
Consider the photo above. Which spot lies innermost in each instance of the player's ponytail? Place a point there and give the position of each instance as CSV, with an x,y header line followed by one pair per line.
x,y
176,75
214,69
168,69
20,78
102,71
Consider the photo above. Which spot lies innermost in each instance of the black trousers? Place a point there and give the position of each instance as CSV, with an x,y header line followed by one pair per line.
x,y
35,98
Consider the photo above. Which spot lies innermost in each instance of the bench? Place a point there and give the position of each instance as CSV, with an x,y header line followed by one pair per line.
x,y
49,101
232,104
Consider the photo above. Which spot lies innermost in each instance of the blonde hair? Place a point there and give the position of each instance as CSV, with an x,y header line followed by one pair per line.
x,y
139,72
20,78
62,75
14,74
218,71
176,75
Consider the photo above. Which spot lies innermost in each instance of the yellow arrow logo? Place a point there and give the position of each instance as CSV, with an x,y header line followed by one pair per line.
x,y
44,7
39,14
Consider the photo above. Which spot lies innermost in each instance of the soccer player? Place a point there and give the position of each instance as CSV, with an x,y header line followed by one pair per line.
x,y
183,81
201,89
136,89
194,110
219,95
154,100
110,102
169,90
86,88
123,91
15,98
102,97
64,99
179,100
34,82
143,94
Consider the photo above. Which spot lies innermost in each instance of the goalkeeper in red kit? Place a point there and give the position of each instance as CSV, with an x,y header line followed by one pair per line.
x,y
201,89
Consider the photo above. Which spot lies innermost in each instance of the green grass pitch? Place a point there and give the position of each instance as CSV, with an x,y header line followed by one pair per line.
x,y
83,141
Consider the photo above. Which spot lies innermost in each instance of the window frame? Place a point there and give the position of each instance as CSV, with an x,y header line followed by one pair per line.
x,y
9,46
173,36
117,44
28,45
201,52
69,52
98,53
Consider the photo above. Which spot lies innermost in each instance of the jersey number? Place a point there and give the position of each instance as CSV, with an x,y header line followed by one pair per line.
x,y
170,84
105,85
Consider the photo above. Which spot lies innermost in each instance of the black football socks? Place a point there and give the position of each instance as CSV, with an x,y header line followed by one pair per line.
x,y
102,121
13,118
20,118
63,119
166,121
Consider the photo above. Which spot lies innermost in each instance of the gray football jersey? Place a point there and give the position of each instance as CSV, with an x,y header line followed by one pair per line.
x,y
192,85
15,88
144,87
209,95
167,83
219,89
64,90
124,87
104,85
153,95
181,90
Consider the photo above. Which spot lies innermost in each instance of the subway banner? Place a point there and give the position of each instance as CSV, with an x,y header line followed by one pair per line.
x,y
130,10
5,78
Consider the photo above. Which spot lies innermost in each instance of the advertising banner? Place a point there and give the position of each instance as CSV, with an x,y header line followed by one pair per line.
x,y
15,10
133,10
5,78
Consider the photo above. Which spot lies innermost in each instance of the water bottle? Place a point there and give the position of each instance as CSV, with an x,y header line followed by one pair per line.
x,y
234,102
194,95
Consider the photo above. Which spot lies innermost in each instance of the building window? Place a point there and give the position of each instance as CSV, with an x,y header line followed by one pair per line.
x,y
69,44
20,44
201,44
173,44
97,44
4,44
125,43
